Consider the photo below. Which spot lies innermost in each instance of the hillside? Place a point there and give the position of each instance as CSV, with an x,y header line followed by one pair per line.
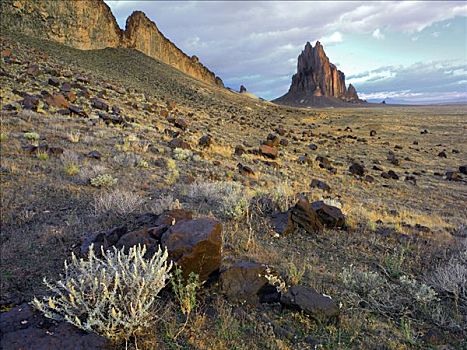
x,y
110,142
90,24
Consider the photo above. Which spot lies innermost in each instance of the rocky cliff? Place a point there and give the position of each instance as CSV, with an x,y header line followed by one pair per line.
x,y
318,80
90,24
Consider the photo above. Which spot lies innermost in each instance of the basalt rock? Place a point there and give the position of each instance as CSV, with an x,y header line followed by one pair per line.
x,y
195,245
90,25
243,281
314,304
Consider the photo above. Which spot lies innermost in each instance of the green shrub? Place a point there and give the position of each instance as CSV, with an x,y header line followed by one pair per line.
x,y
42,155
32,136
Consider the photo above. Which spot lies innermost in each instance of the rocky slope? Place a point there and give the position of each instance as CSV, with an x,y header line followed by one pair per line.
x,y
90,24
317,81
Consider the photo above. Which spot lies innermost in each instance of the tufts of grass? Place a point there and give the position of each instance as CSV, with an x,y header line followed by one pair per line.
x,y
42,155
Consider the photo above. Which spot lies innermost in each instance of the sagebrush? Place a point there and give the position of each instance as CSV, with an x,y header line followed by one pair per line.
x,y
114,296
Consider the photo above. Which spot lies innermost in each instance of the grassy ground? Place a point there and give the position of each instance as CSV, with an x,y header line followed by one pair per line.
x,y
396,229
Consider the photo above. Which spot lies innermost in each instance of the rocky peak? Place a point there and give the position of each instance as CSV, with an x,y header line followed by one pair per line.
x,y
90,25
317,77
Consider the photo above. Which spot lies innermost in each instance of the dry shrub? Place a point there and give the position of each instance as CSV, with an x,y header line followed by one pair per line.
x,y
118,201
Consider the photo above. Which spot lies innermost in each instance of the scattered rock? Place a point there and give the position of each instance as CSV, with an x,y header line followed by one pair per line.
x,y
179,143
315,183
243,281
54,81
94,155
357,169
453,175
239,150
305,217
312,303
205,141
195,245
245,170
329,215
99,104
373,133
24,328
463,169
283,223
442,154
268,151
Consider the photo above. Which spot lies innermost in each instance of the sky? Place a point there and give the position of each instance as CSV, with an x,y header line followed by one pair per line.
x,y
410,51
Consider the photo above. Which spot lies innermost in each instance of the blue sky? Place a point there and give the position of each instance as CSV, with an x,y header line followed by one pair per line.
x,y
411,51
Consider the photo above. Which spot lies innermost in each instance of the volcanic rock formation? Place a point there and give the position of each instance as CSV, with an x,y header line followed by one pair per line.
x,y
317,81
90,25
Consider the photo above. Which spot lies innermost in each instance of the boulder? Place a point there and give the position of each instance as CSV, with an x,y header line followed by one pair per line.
x,y
315,183
453,175
357,169
57,100
54,81
245,170
25,328
205,141
463,169
148,237
268,151
243,281
195,245
181,123
283,223
314,304
179,143
330,216
99,104
305,217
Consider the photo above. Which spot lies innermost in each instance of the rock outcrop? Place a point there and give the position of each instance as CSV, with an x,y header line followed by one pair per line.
x,y
90,25
318,81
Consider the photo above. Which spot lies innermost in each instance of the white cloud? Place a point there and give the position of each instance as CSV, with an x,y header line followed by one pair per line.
x,y
377,34
335,37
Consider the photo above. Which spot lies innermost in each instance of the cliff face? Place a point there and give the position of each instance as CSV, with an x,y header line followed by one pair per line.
x,y
316,77
90,24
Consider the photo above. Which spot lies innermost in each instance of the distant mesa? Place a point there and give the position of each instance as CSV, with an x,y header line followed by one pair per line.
x,y
318,82
90,25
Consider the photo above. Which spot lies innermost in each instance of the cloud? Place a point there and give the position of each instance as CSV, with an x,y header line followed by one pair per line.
x,y
436,81
236,39
335,37
377,34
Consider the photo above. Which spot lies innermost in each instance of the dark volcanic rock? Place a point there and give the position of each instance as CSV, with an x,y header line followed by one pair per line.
x,y
330,216
243,281
268,151
282,223
24,328
308,300
305,217
357,169
195,245
315,183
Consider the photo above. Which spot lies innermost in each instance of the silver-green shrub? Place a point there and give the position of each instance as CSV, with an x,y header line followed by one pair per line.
x,y
114,296
227,199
